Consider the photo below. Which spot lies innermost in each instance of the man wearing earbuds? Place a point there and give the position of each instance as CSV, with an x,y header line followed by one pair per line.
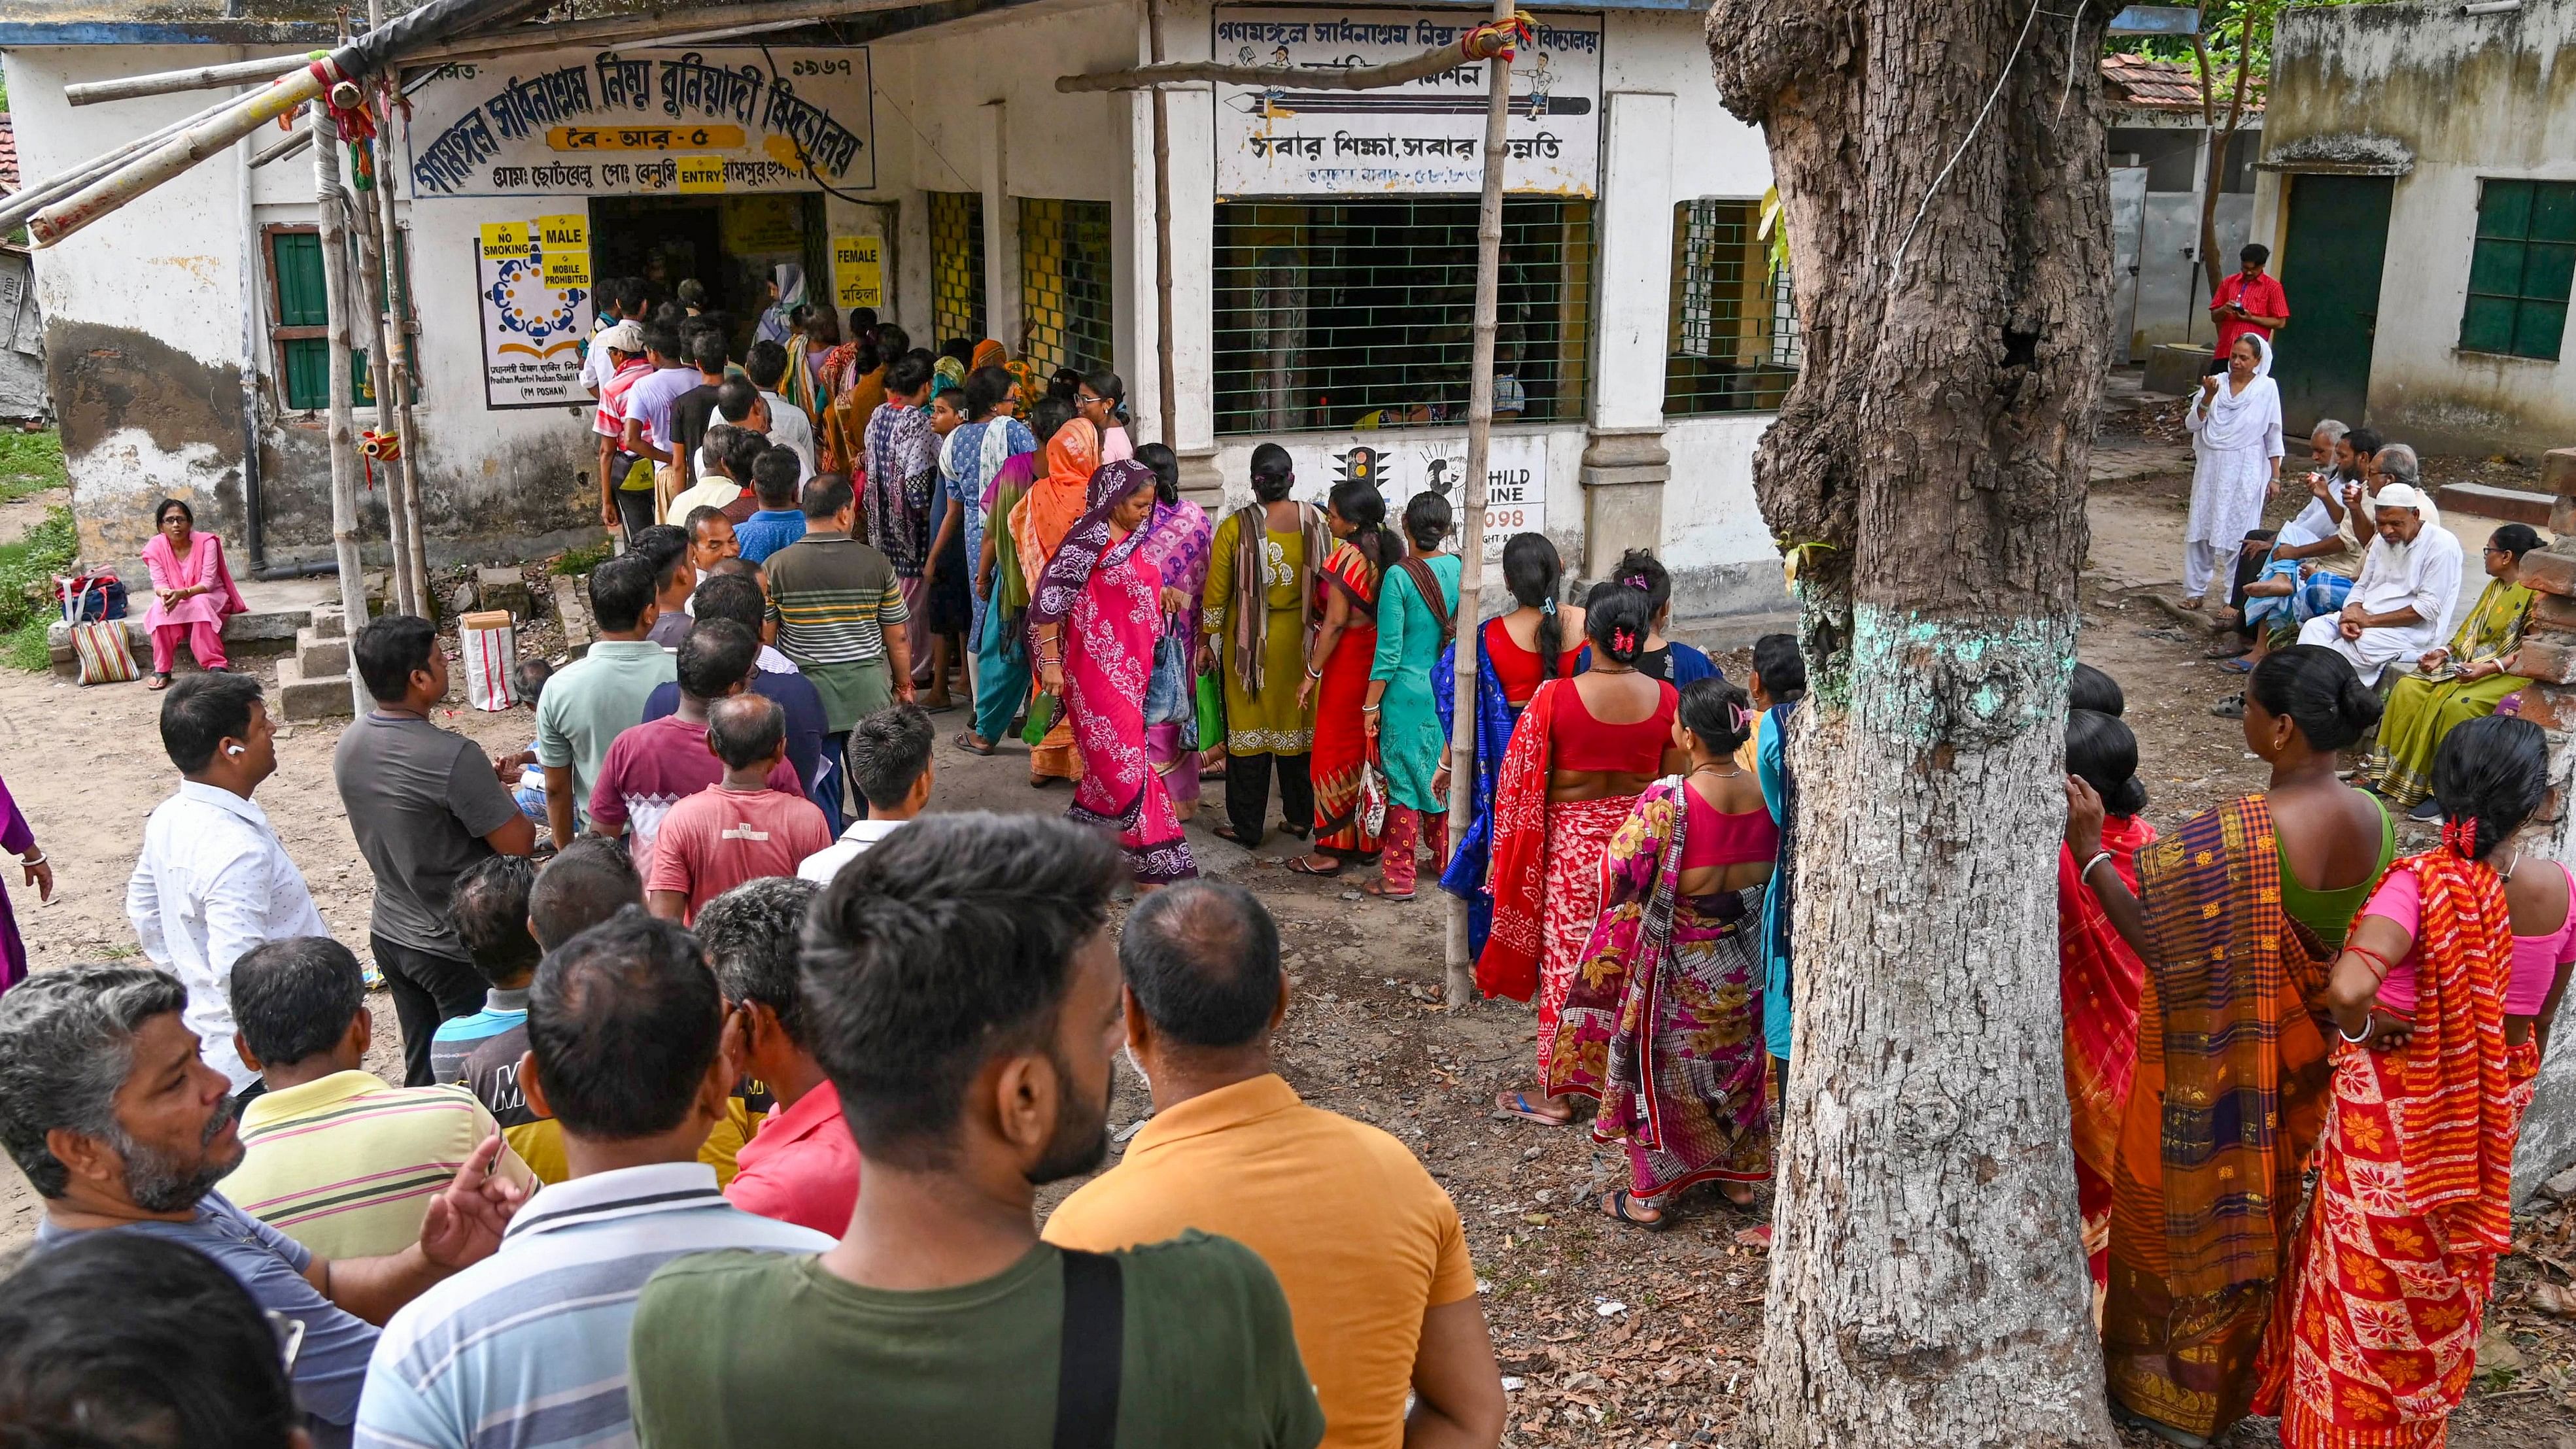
x,y
213,880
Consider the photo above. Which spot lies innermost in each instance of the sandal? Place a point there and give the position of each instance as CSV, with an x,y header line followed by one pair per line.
x,y
1300,866
1756,1237
1224,830
1040,782
1519,1106
1378,889
2239,665
158,681
965,740
1614,1203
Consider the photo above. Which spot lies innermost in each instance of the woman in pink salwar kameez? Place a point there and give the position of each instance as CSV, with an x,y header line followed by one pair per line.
x,y
192,591
1093,621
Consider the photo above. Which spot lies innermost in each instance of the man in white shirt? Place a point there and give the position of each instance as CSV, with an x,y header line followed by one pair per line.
x,y
2402,601
213,881
620,299
789,427
889,755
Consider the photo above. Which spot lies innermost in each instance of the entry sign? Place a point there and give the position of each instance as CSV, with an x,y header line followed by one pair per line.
x,y
858,271
702,174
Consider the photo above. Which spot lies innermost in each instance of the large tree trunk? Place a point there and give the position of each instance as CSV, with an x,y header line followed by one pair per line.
x,y
1927,471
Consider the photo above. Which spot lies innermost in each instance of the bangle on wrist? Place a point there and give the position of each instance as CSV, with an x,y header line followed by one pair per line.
x,y
36,859
2086,874
2348,1036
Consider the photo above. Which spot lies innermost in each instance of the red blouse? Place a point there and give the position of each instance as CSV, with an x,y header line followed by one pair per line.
x,y
1517,668
1714,837
1581,742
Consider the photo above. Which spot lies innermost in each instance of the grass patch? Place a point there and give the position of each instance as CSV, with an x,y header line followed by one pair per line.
x,y
24,648
574,562
30,463
27,570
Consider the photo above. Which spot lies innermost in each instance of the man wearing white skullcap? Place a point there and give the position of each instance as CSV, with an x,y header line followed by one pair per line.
x,y
2401,604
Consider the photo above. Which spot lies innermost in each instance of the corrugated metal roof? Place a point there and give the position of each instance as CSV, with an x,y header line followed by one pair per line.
x,y
2140,84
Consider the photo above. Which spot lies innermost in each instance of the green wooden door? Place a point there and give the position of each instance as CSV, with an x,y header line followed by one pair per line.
x,y
2330,266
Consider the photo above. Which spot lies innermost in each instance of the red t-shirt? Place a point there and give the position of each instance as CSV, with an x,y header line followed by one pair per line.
x,y
802,1168
2263,297
654,766
719,838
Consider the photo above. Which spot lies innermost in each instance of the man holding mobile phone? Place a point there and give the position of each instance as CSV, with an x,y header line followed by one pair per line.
x,y
2251,300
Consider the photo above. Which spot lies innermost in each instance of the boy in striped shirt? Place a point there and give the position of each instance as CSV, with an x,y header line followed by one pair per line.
x,y
333,1157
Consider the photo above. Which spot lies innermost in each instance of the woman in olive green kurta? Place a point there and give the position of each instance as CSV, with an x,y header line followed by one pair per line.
x,y
2458,683
1257,608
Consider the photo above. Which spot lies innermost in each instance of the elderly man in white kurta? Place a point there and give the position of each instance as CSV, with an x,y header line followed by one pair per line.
x,y
2401,604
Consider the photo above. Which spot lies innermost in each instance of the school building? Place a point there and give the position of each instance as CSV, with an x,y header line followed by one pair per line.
x,y
922,161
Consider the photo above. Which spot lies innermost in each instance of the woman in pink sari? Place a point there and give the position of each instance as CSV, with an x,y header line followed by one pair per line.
x,y
1093,622
192,591
1177,539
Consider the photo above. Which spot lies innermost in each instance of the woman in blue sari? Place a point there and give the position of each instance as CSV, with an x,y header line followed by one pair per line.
x,y
969,458
1779,685
1515,653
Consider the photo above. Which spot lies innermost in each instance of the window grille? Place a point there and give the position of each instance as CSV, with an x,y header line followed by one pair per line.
x,y
2520,267
1064,285
957,264
1734,336
1360,313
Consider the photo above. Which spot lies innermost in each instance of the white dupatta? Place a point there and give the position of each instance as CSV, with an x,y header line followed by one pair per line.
x,y
2229,422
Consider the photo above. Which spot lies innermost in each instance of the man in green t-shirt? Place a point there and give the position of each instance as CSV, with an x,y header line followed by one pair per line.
x,y
963,997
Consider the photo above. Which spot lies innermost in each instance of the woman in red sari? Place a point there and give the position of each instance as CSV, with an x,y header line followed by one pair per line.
x,y
2098,975
1093,621
2443,997
1583,752
1337,673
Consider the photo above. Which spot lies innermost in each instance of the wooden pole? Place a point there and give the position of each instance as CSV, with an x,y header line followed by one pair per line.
x,y
367,304
1461,988
177,154
1167,395
36,195
195,78
1437,61
398,315
329,201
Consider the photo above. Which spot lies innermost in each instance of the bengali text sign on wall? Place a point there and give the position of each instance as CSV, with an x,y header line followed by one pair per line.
x,y
533,286
1423,136
1402,463
701,121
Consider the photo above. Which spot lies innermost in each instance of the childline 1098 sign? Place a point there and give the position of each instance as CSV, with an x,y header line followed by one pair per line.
x,y
1423,136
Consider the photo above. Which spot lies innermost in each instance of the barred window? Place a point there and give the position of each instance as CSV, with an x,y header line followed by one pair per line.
x,y
1733,344
1349,314
957,264
1064,285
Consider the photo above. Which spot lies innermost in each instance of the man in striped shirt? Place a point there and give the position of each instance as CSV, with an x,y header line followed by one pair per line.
x,y
333,1157
625,1049
833,599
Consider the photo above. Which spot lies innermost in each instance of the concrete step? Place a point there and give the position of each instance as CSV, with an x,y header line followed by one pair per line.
x,y
304,699
329,622
2512,505
316,656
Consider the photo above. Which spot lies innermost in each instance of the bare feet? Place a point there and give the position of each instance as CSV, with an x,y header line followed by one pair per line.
x,y
1546,1111
1738,1193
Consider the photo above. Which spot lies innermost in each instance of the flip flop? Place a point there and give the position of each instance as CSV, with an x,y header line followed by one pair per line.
x,y
1614,1204
1300,866
949,708
1756,1237
964,740
2238,665
1521,1108
1378,889
158,681
1224,830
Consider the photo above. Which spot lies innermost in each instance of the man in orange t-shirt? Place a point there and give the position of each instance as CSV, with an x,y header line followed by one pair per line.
x,y
1367,1247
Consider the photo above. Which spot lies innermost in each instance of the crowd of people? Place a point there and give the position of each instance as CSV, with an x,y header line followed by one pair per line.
x,y
676,980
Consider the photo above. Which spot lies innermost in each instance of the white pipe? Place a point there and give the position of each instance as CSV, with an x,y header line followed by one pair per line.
x,y
2491,7
196,78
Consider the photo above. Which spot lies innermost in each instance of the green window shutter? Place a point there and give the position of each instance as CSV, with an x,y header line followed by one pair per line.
x,y
2521,267
300,298
308,373
2537,330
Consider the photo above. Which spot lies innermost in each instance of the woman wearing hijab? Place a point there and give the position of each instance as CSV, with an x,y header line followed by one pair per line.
x,y
192,591
2235,427
1055,502
19,841
1094,620
786,294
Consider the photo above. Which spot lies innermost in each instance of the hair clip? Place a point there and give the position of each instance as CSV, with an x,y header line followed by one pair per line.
x,y
2462,837
1635,581
1550,606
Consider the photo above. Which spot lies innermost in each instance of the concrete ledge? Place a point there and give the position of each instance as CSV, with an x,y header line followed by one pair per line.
x,y
2513,505
260,631
302,699
316,656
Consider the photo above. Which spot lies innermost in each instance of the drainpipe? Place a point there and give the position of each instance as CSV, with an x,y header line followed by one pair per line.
x,y
254,528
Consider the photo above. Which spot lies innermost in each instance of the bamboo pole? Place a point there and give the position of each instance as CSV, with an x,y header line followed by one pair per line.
x,y
398,314
1461,986
177,154
1167,389
330,202
33,197
194,78
1429,63
368,309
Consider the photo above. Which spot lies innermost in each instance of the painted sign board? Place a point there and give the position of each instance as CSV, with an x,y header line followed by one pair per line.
x,y
1403,462
534,299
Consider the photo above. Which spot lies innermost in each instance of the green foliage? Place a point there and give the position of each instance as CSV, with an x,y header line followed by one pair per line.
x,y
30,463
574,562
27,570
2224,34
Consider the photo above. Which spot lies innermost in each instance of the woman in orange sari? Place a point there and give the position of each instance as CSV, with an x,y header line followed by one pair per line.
x,y
2443,999
1053,504
2098,975
1337,673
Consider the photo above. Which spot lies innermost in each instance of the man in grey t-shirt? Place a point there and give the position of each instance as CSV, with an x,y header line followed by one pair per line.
x,y
424,804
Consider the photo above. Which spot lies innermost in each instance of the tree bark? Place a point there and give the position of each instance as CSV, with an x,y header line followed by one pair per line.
x,y
1952,273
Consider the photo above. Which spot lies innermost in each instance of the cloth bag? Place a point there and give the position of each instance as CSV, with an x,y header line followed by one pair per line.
x,y
100,648
1170,697
490,646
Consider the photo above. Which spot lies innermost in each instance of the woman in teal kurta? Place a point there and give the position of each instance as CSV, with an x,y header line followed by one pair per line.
x,y
1417,608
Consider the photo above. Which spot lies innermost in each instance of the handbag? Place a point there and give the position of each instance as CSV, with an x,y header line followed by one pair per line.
x,y
1372,807
100,648
1169,697
1211,711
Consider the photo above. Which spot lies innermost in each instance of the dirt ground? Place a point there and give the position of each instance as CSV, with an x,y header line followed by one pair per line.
x,y
1609,1336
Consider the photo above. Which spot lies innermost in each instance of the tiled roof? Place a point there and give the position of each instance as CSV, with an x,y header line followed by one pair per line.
x,y
8,155
2139,84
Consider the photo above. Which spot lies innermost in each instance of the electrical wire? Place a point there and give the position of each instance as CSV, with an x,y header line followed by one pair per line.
x,y
1896,265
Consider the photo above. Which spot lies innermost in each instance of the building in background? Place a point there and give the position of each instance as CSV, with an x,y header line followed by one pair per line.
x,y
1324,245
2160,161
22,327
2419,188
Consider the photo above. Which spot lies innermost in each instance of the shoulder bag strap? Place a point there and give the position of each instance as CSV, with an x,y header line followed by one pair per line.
x,y
1427,584
1091,1353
